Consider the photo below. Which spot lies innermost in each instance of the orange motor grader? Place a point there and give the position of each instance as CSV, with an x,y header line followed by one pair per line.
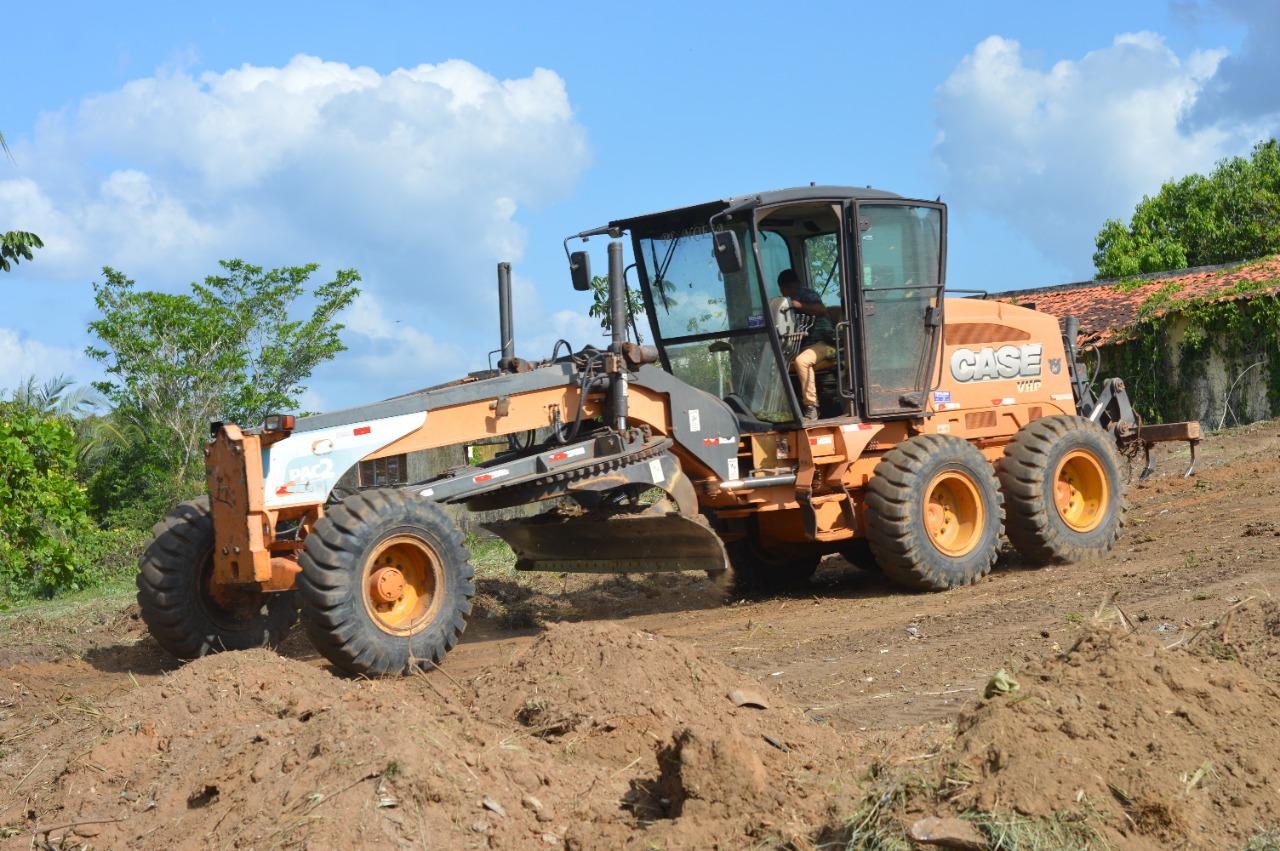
x,y
944,423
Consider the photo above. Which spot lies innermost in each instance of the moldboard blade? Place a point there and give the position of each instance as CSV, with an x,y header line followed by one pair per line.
x,y
604,542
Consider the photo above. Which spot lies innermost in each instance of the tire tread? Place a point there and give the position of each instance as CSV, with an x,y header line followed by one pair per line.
x,y
1023,471
895,532
332,567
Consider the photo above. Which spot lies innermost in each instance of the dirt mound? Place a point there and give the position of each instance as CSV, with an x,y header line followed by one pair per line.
x,y
713,750
1249,634
595,737
612,684
1146,746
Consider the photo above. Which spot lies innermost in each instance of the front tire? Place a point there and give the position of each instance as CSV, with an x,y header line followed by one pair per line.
x,y
386,583
934,513
1061,479
186,615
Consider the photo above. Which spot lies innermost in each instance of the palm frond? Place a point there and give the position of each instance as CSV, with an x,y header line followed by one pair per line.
x,y
56,397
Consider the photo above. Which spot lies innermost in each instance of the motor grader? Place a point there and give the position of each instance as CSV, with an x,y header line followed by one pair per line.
x,y
943,424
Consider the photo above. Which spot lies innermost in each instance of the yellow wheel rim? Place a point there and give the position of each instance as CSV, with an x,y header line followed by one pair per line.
x,y
953,513
401,584
1081,492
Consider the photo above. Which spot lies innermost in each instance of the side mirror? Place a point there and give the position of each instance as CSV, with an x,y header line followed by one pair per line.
x,y
580,270
728,252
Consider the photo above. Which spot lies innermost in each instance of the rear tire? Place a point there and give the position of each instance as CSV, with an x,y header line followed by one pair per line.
x,y
176,601
1062,484
754,571
934,513
386,583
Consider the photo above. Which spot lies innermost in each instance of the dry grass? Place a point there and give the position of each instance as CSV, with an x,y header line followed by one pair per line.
x,y
1267,839
1060,832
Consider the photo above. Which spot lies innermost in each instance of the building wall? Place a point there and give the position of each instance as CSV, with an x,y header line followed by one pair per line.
x,y
1203,390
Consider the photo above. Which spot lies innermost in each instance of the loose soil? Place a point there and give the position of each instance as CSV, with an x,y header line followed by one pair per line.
x,y
1152,747
597,712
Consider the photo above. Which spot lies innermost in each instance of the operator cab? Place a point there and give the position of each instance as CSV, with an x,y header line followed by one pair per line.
x,y
727,328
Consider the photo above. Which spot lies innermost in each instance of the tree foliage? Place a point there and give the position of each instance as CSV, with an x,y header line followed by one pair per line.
x,y
15,246
600,306
47,539
1232,214
57,396
237,346
823,255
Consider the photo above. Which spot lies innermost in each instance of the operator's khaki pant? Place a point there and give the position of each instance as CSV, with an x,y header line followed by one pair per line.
x,y
805,364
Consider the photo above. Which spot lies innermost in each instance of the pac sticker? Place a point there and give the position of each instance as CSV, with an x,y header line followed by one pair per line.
x,y
695,420
733,468
655,472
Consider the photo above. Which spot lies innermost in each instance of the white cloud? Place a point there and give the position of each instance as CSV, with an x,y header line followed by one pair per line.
x,y
22,357
1056,151
576,327
1245,85
415,177
395,347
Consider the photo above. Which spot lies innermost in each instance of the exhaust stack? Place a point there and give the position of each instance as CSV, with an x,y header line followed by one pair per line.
x,y
1075,368
505,330
618,323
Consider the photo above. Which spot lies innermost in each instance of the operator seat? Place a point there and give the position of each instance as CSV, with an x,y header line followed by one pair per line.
x,y
830,403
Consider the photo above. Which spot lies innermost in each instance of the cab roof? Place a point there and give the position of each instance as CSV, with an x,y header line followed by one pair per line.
x,y
698,214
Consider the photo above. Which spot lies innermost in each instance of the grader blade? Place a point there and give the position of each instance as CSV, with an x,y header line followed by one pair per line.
x,y
601,542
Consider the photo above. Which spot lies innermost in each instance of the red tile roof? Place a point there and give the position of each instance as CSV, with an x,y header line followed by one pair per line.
x,y
1105,308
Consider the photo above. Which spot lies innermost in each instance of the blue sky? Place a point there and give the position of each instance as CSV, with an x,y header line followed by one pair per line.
x,y
144,142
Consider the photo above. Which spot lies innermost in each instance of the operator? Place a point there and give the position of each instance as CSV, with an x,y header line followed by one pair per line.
x,y
818,344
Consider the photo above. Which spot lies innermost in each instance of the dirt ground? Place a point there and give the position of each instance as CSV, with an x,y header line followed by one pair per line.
x,y
591,713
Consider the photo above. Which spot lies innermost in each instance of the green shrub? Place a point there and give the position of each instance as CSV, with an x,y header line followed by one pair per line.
x,y
130,488
48,541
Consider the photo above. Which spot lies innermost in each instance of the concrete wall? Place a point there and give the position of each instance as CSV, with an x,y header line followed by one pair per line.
x,y
1239,383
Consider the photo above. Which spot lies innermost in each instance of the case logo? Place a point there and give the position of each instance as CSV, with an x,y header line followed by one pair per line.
x,y
988,364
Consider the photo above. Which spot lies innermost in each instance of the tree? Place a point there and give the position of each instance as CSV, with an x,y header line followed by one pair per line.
x,y
47,540
230,349
58,396
600,306
77,406
1233,214
15,245
823,253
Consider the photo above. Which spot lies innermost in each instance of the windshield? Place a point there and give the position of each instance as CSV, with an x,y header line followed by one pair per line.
x,y
690,294
711,326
